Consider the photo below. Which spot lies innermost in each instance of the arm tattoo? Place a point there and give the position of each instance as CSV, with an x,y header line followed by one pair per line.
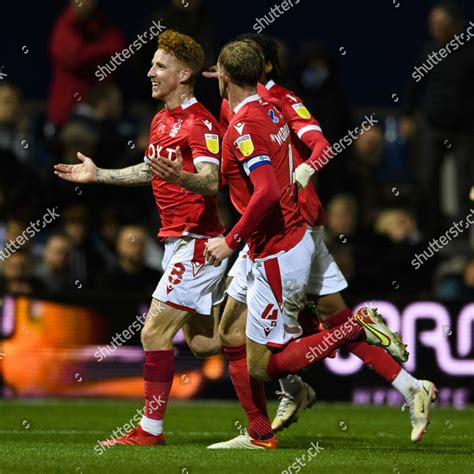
x,y
205,181
137,175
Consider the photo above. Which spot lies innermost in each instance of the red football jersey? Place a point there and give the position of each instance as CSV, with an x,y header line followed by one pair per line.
x,y
258,135
300,121
194,129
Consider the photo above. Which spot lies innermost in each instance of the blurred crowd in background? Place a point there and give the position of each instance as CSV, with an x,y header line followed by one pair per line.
x,y
401,184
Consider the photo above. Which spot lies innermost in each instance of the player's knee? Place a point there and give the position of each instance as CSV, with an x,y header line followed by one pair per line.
x,y
231,338
147,336
152,339
203,350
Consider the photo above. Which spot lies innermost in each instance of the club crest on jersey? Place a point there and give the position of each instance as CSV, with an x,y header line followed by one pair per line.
x,y
273,116
301,110
176,127
245,145
212,142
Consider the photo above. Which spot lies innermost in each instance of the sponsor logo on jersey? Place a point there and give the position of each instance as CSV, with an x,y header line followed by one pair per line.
x,y
212,142
267,331
273,116
301,110
239,127
245,145
208,124
282,134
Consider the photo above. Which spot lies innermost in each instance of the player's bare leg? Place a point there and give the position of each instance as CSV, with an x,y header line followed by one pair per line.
x,y
251,393
202,334
161,325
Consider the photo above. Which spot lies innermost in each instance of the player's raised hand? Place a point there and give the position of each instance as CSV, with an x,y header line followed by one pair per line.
x,y
168,170
211,74
85,172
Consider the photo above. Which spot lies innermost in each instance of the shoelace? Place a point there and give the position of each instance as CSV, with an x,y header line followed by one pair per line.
x,y
286,399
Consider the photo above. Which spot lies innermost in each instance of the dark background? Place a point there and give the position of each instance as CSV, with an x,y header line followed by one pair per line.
x,y
381,41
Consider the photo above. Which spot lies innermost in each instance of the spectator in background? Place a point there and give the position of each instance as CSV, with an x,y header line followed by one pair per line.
x,y
81,40
86,259
401,241
443,94
54,270
14,134
103,113
345,243
18,184
17,275
458,286
131,273
342,219
321,91
367,159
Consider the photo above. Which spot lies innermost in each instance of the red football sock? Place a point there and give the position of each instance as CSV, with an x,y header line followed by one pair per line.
x,y
308,350
158,373
376,358
251,393
338,318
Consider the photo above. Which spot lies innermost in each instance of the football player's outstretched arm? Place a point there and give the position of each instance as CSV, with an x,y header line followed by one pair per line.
x,y
205,181
88,172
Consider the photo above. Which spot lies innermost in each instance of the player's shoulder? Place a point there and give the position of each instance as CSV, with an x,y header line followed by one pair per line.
x,y
286,96
292,104
200,117
248,119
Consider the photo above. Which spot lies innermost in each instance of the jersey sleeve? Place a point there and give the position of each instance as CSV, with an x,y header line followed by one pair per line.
x,y
205,142
249,146
298,116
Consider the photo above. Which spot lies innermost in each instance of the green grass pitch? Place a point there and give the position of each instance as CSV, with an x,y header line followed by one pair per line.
x,y
60,436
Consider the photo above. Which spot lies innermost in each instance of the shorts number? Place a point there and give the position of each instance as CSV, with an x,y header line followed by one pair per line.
x,y
176,274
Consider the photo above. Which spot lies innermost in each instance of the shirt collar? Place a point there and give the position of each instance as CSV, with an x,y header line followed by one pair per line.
x,y
270,84
188,103
248,99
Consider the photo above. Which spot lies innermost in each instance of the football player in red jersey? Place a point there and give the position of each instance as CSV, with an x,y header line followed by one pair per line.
x,y
258,167
182,165
326,280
